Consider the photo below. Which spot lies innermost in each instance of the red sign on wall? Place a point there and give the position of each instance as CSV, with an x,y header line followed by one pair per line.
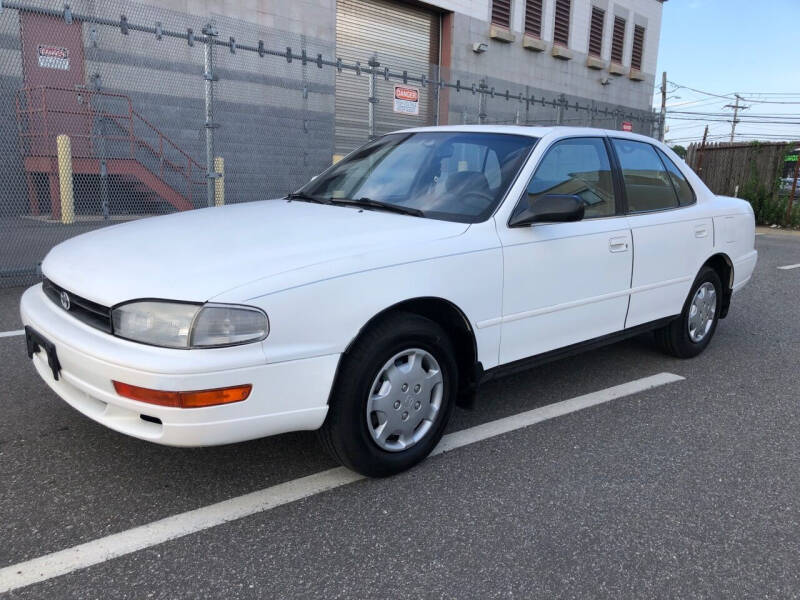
x,y
53,57
627,126
406,100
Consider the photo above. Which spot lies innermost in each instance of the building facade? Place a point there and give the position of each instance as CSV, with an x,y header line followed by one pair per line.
x,y
599,53
296,84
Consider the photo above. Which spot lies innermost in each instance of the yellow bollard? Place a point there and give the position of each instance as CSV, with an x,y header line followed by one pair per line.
x,y
219,182
65,179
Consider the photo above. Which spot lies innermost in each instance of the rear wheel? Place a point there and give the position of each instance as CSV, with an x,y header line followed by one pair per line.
x,y
393,397
689,334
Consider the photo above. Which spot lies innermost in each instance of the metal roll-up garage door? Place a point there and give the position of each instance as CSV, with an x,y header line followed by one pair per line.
x,y
402,37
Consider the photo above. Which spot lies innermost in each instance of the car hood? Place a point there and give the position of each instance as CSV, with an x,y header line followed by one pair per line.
x,y
200,254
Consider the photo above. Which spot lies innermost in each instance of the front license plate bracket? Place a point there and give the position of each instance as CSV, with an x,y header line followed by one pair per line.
x,y
35,341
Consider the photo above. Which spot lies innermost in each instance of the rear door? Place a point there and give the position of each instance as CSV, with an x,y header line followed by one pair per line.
x,y
671,236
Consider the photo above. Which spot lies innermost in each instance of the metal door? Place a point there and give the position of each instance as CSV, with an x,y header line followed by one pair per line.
x,y
403,37
53,71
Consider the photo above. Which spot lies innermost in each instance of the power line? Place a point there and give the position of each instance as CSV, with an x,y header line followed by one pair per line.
x,y
742,96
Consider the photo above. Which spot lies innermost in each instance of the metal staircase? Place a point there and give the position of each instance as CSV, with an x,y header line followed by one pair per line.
x,y
139,168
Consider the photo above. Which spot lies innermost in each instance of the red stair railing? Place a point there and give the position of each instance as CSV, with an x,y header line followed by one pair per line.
x,y
41,118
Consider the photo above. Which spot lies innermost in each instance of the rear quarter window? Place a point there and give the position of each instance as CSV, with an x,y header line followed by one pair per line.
x,y
682,188
648,186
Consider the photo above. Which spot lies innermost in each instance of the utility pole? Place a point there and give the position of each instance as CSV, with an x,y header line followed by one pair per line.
x,y
662,126
701,152
736,108
790,201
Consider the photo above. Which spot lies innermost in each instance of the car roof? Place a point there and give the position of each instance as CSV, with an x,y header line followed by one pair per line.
x,y
533,131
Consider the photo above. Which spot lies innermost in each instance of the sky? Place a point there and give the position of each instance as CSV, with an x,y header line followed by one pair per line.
x,y
723,47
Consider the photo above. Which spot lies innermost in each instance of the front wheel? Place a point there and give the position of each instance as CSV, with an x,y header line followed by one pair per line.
x,y
393,396
688,335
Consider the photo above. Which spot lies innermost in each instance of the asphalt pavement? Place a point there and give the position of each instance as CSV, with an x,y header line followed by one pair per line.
x,y
689,489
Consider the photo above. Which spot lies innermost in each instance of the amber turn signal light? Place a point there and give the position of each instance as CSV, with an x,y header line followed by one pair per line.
x,y
193,399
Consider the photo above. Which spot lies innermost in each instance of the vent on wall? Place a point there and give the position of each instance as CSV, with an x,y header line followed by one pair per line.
x,y
533,18
561,31
501,13
618,40
638,47
596,31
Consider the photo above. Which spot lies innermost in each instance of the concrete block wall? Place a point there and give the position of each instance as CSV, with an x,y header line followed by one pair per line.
x,y
14,197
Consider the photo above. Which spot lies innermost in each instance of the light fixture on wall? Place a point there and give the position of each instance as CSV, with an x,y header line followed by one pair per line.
x,y
480,47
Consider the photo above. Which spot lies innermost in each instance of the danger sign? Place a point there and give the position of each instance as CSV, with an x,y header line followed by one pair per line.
x,y
53,57
406,100
627,126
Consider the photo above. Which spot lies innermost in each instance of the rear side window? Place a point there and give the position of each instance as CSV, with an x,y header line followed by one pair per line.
x,y
647,184
577,166
682,187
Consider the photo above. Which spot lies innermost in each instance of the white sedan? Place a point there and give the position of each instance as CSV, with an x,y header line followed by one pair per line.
x,y
372,300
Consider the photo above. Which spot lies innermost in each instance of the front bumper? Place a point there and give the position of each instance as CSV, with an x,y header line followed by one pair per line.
x,y
286,396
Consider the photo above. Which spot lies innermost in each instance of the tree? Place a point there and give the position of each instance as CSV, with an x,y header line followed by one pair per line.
x,y
680,151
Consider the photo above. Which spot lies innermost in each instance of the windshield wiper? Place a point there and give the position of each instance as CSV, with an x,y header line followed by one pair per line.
x,y
307,198
376,204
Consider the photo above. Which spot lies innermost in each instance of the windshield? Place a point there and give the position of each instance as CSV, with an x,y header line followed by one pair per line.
x,y
455,176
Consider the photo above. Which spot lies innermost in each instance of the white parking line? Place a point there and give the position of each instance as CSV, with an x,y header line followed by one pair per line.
x,y
11,333
119,544
787,267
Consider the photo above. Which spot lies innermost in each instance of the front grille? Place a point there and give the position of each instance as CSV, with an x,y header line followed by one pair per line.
x,y
91,313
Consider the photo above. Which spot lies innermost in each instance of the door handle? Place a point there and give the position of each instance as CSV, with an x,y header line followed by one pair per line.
x,y
700,231
618,244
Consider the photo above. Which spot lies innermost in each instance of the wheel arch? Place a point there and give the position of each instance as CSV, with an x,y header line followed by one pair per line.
x,y
723,265
455,323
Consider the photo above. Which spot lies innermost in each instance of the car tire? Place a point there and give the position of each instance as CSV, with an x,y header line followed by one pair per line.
x,y
376,393
689,334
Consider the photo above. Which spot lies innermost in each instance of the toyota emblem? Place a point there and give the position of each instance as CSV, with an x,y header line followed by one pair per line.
x,y
64,300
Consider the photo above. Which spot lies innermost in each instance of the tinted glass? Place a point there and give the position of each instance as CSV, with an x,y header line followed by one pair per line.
x,y
578,166
458,176
647,185
682,187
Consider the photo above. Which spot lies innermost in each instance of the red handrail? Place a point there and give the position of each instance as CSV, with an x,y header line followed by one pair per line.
x,y
126,121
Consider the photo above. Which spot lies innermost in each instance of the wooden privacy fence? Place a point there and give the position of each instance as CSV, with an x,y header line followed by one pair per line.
x,y
726,168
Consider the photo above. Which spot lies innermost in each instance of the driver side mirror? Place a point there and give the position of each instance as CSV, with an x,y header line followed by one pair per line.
x,y
550,208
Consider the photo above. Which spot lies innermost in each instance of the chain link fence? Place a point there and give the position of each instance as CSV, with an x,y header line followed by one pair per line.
x,y
117,110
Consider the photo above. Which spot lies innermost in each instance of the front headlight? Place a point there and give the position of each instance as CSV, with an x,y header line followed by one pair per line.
x,y
185,325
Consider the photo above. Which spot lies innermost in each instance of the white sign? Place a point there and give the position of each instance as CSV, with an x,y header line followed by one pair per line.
x,y
406,100
53,57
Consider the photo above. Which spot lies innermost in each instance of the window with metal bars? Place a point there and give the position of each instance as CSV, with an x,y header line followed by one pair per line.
x,y
638,47
561,31
501,13
618,40
533,18
596,31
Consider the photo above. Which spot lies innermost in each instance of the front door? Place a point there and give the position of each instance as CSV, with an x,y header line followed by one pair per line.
x,y
566,282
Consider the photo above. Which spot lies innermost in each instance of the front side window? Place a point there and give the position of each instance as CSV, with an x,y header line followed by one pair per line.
x,y
576,166
455,176
647,185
